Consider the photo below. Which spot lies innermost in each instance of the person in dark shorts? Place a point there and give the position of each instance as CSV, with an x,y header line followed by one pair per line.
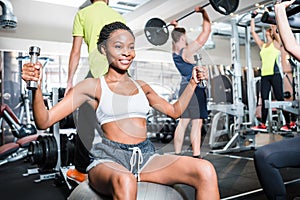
x,y
183,56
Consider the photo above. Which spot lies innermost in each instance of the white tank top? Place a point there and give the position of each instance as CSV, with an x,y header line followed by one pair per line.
x,y
113,107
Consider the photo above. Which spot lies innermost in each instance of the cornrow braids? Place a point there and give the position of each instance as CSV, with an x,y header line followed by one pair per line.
x,y
108,29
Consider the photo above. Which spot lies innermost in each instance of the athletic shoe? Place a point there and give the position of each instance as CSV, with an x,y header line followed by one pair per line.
x,y
199,157
293,125
260,127
75,175
285,128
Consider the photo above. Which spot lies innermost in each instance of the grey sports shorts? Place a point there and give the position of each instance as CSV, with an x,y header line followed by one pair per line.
x,y
132,156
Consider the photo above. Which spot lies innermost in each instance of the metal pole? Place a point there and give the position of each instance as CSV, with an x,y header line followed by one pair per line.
x,y
56,129
251,84
237,78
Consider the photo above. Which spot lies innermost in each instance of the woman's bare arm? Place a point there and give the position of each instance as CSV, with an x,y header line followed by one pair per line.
x,y
176,109
255,36
44,118
286,34
201,39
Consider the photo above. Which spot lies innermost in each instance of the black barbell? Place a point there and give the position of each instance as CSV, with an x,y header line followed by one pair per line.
x,y
156,30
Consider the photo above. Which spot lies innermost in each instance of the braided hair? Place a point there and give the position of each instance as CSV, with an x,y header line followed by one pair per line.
x,y
107,30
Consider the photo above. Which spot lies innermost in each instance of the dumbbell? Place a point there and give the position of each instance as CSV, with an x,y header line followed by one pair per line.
x,y
34,52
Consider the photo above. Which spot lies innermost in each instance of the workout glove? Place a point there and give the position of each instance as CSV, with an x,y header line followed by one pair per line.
x,y
253,14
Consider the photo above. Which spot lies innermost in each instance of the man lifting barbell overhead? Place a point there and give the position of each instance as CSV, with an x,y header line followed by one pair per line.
x,y
156,30
185,58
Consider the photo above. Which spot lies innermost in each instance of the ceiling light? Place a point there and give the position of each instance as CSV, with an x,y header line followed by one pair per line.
x,y
7,20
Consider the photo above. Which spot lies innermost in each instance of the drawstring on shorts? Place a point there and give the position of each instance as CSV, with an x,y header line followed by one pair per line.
x,y
136,158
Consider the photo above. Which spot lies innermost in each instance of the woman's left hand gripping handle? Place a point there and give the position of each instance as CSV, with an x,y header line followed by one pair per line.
x,y
200,73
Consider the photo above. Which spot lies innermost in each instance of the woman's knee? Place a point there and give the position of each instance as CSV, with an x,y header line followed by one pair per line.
x,y
206,172
124,181
113,183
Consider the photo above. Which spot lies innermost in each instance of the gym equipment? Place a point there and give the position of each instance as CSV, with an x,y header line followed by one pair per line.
x,y
11,94
44,151
46,60
34,52
14,151
156,30
221,84
146,191
48,151
68,121
232,114
18,129
269,16
160,126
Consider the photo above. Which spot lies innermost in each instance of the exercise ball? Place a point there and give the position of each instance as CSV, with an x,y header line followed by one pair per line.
x,y
146,191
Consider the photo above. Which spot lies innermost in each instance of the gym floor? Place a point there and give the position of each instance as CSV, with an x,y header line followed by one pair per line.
x,y
236,175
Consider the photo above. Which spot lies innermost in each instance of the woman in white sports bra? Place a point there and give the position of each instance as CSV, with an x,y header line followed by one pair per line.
x,y
125,155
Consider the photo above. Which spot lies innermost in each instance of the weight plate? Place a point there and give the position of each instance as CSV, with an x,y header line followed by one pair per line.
x,y
225,7
156,31
53,151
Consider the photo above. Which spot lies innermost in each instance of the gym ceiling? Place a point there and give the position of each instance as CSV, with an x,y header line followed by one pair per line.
x,y
53,23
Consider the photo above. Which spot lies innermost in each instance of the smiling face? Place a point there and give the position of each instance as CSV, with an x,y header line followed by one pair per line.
x,y
119,49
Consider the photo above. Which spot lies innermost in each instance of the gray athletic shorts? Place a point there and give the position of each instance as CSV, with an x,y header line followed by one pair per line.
x,y
132,156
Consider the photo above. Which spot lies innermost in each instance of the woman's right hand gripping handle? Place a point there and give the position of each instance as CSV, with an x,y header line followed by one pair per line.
x,y
32,72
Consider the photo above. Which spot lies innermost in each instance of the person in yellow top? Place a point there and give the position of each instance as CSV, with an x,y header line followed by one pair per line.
x,y
271,158
87,25
272,55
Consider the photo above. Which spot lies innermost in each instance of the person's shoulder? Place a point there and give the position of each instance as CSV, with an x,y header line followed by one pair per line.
x,y
91,82
141,83
93,6
88,86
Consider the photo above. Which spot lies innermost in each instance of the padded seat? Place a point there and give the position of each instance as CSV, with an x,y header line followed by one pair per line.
x,y
25,141
7,149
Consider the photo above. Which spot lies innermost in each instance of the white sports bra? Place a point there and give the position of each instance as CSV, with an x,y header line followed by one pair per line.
x,y
113,107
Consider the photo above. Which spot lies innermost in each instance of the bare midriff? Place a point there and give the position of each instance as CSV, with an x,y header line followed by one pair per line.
x,y
126,131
